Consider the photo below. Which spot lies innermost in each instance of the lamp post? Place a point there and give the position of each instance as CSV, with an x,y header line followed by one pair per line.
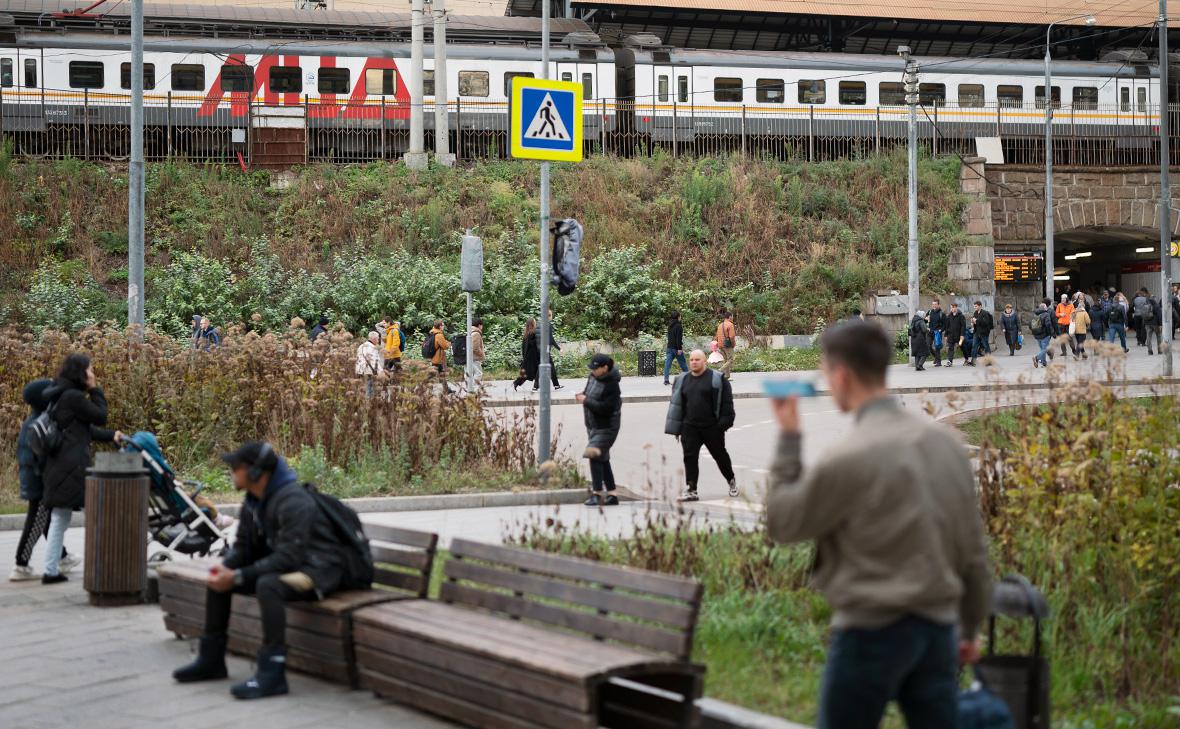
x,y
1048,97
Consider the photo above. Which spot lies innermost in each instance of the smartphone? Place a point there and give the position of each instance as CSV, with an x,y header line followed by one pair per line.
x,y
783,389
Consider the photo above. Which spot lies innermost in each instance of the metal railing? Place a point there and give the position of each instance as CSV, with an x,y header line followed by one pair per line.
x,y
93,125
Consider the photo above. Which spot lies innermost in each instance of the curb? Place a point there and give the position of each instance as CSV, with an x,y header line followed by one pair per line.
x,y
721,715
15,522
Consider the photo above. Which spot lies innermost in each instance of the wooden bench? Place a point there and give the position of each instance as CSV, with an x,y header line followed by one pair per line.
x,y
529,640
319,634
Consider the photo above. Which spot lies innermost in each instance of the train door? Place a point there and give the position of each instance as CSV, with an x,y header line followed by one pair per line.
x,y
584,74
671,103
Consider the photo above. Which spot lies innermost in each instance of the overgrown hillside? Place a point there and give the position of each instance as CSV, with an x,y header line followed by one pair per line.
x,y
784,244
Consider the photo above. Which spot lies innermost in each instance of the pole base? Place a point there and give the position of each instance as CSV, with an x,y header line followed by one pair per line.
x,y
116,599
416,160
446,160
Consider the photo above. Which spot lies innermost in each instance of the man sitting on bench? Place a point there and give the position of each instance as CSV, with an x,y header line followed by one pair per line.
x,y
286,549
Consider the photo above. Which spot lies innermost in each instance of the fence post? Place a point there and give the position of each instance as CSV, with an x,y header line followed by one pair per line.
x,y
168,127
675,124
458,127
2,110
999,112
381,129
934,133
249,134
86,123
602,125
306,130
810,133
743,130
877,131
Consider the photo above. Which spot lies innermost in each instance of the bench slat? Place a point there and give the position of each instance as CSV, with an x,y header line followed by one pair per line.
x,y
403,557
676,616
434,702
410,582
652,638
397,535
677,588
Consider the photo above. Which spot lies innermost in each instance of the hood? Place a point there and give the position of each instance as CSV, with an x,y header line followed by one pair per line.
x,y
60,385
34,394
612,375
282,478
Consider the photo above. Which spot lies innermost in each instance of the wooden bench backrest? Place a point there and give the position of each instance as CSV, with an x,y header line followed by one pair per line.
x,y
642,609
402,558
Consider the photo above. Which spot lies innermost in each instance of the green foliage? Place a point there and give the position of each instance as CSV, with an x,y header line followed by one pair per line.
x,y
622,293
63,296
191,283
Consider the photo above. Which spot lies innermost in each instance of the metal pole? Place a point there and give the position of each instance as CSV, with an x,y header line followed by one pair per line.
x,y
543,373
442,126
912,180
135,192
1048,97
468,368
1165,196
416,158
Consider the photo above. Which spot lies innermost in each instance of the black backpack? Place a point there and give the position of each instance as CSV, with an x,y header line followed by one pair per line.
x,y
1144,310
358,568
1036,326
44,437
429,347
459,349
1116,315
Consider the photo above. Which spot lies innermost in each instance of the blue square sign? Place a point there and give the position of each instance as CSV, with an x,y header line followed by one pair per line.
x,y
546,119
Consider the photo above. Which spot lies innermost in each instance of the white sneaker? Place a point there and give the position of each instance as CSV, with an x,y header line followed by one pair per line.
x,y
733,489
689,495
22,574
68,563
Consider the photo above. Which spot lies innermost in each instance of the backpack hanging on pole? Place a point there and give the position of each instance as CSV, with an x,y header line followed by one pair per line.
x,y
567,254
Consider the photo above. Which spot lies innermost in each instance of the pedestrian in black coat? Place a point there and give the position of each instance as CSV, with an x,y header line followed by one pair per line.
x,y
956,329
602,406
919,340
530,356
1010,324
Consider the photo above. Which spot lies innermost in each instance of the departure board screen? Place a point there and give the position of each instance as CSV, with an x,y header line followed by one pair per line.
x,y
1018,268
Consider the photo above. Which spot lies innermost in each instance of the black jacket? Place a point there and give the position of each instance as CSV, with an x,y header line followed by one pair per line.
x,y
937,320
285,531
984,323
919,337
675,334
956,326
79,415
1010,324
1046,318
530,356
603,408
722,403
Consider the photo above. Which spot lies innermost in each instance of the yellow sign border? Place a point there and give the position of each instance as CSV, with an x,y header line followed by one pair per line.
x,y
517,125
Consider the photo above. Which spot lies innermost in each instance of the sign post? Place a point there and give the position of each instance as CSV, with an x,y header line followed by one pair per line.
x,y
546,125
471,277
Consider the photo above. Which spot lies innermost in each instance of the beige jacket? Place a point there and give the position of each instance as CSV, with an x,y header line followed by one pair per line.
x,y
894,511
476,346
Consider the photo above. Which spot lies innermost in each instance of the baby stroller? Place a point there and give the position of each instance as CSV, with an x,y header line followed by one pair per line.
x,y
175,518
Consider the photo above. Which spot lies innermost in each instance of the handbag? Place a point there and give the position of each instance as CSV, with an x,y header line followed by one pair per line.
x,y
1073,328
937,340
1020,341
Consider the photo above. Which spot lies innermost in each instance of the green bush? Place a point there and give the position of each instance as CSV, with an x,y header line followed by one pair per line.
x,y
65,297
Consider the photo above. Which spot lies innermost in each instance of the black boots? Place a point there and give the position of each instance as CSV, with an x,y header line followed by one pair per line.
x,y
270,679
210,663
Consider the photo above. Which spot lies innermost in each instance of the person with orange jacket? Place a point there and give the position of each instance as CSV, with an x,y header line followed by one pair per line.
x,y
1064,317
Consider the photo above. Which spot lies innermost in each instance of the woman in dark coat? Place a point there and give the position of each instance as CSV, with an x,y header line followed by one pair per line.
x,y
919,340
79,409
602,406
530,356
1010,323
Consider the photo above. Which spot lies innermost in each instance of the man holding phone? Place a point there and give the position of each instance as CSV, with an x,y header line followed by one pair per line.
x,y
901,553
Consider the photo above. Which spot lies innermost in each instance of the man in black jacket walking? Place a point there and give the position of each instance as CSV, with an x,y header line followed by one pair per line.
x,y
675,347
937,324
981,341
700,412
956,327
286,550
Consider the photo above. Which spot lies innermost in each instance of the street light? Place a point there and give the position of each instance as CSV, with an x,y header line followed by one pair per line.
x,y
1048,97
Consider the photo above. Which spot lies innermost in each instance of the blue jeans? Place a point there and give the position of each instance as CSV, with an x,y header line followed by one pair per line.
x,y
59,521
669,355
912,661
1042,356
980,344
1121,330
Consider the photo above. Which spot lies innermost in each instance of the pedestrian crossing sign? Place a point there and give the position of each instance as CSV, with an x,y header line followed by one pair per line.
x,y
546,119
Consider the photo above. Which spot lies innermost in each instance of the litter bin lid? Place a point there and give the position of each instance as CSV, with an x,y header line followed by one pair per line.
x,y
117,464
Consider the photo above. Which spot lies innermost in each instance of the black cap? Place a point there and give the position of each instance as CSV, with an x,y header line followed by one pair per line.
x,y
252,454
600,360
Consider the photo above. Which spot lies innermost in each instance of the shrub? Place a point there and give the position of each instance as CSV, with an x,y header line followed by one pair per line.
x,y
64,296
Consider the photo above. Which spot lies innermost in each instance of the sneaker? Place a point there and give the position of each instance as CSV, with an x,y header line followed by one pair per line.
x,y
733,489
23,573
68,563
938,364
689,495
559,387
950,364
610,500
667,383
594,500
1036,363
970,364
53,579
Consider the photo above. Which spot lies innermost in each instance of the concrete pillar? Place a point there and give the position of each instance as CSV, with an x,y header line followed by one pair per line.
x,y
442,127
416,158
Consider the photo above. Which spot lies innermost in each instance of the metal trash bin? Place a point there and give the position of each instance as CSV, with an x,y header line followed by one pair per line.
x,y
647,363
116,530
1022,681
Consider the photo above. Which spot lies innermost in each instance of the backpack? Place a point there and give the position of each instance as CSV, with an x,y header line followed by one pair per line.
x,y
1143,310
567,255
1036,326
358,567
44,438
1116,315
459,349
430,346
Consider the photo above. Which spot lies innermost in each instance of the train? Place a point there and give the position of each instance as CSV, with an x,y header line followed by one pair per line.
x,y
352,94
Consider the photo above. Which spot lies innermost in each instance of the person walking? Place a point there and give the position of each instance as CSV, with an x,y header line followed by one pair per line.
x,y
394,347
476,351
1080,327
320,329
368,361
1010,325
936,318
1098,316
32,490
726,338
956,330
901,552
553,345
675,347
194,335
1140,307
1116,322
1041,327
602,409
441,345
919,342
982,324
530,356
699,413
207,336
287,549
1153,323
1064,314
1175,308
80,410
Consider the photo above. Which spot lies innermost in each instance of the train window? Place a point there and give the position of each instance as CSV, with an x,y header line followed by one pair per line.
x,y
188,77
932,94
1085,97
86,74
382,82
1010,96
853,93
6,72
770,90
1141,98
474,83
286,79
237,79
970,96
30,73
587,86
727,89
1040,97
891,93
812,92
511,75
1124,99
662,90
149,76
334,81
428,83
567,76
682,89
